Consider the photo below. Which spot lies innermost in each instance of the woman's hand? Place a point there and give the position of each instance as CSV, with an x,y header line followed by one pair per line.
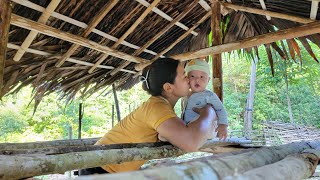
x,y
222,131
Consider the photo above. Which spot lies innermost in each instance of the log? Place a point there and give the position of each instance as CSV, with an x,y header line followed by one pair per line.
x,y
17,167
297,166
50,31
5,14
208,168
300,31
48,144
59,147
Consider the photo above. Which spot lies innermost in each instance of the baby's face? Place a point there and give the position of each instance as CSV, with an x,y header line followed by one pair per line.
x,y
198,80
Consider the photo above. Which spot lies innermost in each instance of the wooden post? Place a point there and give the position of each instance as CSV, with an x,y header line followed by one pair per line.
x,y
81,108
5,14
116,101
216,58
249,108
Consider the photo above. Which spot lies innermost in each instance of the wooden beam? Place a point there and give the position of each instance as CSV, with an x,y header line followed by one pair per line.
x,y
165,16
5,14
41,28
159,34
268,13
96,20
300,31
42,53
216,58
126,34
314,10
32,34
62,17
139,67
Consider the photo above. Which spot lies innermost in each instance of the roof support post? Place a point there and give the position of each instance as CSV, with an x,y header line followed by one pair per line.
x,y
5,14
216,58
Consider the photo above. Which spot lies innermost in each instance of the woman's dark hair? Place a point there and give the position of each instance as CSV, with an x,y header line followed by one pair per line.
x,y
161,71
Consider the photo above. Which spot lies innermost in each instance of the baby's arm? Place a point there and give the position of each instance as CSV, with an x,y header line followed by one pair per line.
x,y
222,129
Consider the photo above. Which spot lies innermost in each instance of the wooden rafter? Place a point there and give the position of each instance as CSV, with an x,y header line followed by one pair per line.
x,y
32,35
140,66
42,53
62,17
268,13
126,34
166,16
158,35
44,29
96,20
300,31
5,14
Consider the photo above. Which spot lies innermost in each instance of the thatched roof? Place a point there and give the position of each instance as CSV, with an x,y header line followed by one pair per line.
x,y
83,44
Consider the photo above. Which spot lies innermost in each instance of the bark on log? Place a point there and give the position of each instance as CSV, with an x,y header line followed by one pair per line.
x,y
17,167
215,168
298,166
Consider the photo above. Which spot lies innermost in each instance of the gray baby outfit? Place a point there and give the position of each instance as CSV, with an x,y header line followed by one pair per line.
x,y
199,100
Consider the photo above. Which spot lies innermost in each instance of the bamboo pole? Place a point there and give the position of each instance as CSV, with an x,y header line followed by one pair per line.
x,y
41,28
304,30
96,20
216,58
32,34
125,35
158,35
212,168
268,13
116,102
5,14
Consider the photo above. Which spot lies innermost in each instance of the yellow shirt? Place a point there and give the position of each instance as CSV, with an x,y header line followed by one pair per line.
x,y
138,127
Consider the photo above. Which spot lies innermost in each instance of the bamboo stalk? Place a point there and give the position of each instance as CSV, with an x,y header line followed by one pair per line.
x,y
304,30
41,28
268,13
100,15
32,35
5,14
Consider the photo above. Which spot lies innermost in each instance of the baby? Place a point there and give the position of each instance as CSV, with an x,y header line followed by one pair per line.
x,y
198,72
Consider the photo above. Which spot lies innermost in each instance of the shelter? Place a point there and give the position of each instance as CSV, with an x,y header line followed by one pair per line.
x,y
82,46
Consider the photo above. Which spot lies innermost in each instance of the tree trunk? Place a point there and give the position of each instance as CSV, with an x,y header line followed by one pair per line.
x,y
288,94
211,168
249,108
116,101
216,58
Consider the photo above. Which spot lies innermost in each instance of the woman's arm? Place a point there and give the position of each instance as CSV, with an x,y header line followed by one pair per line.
x,y
192,137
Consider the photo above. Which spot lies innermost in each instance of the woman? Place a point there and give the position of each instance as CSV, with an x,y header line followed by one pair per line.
x,y
166,82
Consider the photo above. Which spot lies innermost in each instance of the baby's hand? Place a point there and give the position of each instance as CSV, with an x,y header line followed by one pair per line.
x,y
222,131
